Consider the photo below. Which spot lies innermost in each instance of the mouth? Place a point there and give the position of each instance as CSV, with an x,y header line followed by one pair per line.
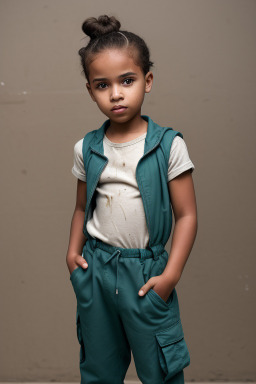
x,y
118,109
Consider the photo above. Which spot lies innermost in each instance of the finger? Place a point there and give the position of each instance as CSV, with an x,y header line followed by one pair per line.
x,y
143,290
82,262
146,287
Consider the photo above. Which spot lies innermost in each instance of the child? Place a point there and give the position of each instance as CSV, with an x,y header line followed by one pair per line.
x,y
131,173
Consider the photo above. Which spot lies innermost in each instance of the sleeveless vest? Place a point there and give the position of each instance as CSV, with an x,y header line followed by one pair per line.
x,y
151,176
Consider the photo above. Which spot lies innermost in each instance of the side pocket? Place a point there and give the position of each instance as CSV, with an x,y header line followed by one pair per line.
x,y
153,268
80,337
74,272
172,350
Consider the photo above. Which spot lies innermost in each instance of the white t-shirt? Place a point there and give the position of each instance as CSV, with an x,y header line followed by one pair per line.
x,y
119,217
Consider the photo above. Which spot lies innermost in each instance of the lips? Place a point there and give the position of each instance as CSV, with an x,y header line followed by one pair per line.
x,y
116,107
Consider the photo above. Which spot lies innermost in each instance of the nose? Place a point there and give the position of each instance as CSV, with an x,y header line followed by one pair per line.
x,y
116,92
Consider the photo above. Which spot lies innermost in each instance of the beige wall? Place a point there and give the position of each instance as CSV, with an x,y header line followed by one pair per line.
x,y
204,86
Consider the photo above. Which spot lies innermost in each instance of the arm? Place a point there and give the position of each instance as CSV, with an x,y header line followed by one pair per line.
x,y
182,196
77,238
183,200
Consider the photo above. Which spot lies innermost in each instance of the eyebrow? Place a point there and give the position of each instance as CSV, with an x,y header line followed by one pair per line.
x,y
121,76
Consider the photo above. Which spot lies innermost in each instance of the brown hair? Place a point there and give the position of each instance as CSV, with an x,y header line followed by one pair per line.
x,y
104,34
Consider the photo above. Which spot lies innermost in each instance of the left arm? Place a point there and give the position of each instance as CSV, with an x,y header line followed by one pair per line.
x,y
183,200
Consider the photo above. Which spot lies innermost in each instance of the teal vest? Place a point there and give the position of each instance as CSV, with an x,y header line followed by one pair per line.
x,y
151,176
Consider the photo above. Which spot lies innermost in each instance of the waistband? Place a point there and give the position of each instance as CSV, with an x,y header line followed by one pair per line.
x,y
143,253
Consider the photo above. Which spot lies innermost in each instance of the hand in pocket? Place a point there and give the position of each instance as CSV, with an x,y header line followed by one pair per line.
x,y
159,285
76,261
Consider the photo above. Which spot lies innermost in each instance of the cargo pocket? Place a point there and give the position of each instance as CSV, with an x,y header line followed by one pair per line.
x,y
172,350
80,337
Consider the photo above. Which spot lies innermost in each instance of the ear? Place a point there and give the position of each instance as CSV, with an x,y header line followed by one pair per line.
x,y
90,91
148,81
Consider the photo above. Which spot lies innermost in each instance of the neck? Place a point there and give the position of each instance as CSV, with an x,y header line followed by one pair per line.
x,y
136,125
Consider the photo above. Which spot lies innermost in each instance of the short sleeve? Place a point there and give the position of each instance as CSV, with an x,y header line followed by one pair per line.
x,y
179,160
78,167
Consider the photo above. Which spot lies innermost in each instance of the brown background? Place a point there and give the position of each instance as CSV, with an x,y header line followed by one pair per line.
x,y
204,86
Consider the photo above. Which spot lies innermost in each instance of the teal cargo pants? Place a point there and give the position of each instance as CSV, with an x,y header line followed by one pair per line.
x,y
112,319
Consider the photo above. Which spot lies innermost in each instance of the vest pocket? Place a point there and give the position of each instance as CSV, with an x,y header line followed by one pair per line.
x,y
172,350
80,338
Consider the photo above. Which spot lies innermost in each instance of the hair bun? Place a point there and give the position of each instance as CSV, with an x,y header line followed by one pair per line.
x,y
96,27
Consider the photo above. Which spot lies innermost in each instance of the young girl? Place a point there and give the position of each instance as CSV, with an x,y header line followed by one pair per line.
x,y
131,174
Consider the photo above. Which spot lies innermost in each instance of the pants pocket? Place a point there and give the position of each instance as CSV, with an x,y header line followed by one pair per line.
x,y
172,350
158,299
152,268
77,269
81,278
80,337
73,273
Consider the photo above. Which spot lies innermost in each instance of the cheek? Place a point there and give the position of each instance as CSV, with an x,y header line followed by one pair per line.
x,y
137,89
139,95
101,99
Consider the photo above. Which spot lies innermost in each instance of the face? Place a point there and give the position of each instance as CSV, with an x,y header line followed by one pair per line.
x,y
115,80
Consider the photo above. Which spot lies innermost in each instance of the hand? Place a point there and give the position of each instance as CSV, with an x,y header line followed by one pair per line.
x,y
162,286
76,261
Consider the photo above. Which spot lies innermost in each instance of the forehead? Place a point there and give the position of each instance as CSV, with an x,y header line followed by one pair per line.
x,y
111,63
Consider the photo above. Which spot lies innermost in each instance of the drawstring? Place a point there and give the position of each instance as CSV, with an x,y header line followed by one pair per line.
x,y
154,250
111,257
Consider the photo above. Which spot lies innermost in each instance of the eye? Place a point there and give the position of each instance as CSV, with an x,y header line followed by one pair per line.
x,y
130,81
99,85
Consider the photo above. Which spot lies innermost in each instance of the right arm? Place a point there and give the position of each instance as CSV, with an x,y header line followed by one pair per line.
x,y
77,238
